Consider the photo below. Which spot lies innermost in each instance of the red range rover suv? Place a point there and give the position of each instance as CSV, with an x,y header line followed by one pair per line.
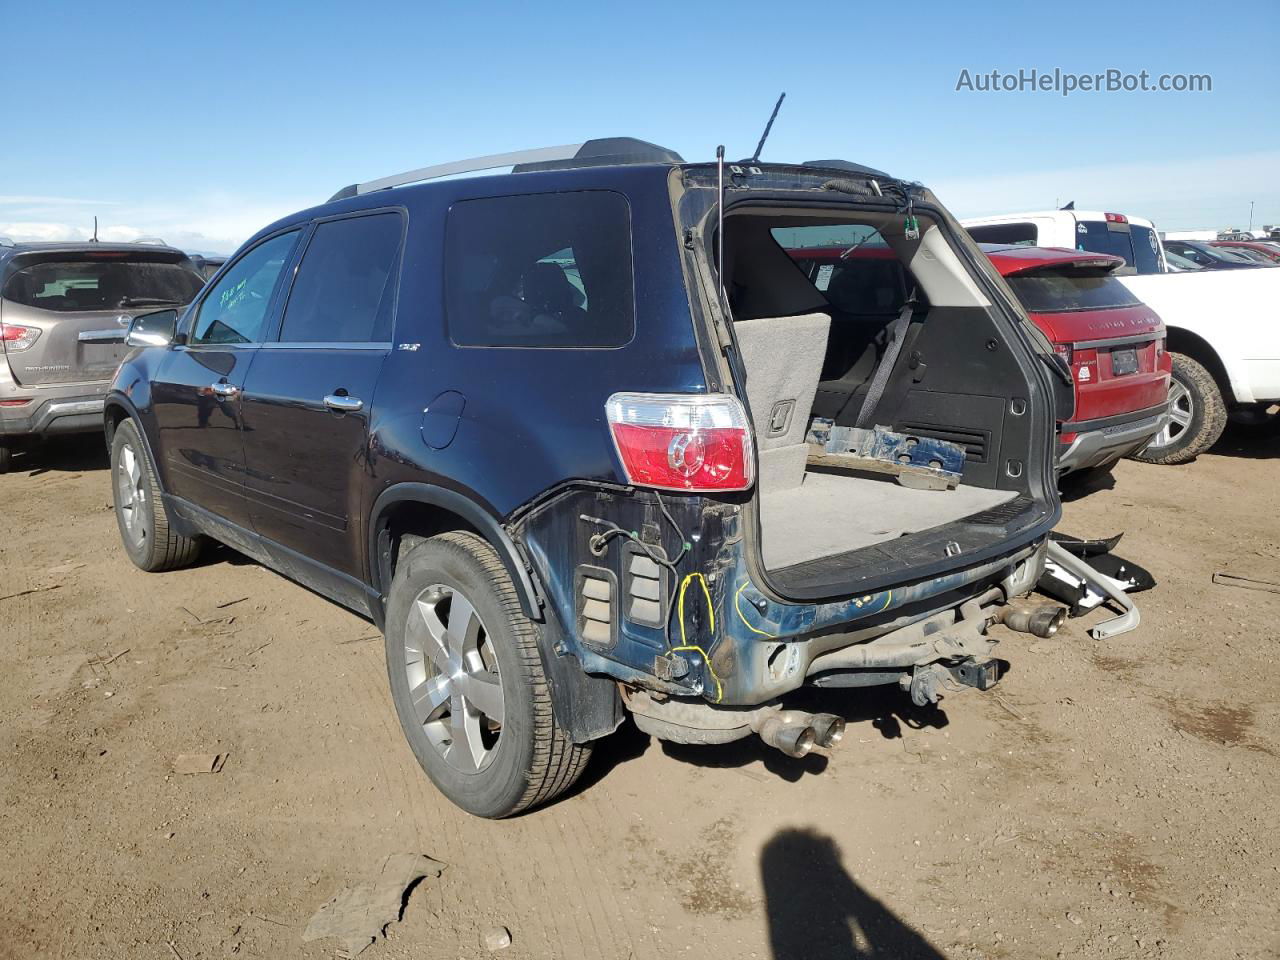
x,y
1114,344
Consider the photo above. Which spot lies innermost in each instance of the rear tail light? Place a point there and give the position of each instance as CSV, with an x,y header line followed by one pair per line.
x,y
682,441
1064,351
1116,218
17,338
22,402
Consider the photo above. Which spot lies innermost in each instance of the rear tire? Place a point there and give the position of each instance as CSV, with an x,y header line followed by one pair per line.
x,y
468,684
6,457
144,526
1199,415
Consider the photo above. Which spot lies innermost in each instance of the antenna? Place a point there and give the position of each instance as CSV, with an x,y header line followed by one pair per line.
x,y
767,127
720,228
95,230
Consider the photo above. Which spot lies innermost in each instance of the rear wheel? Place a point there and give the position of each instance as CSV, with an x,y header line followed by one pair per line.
x,y
6,457
468,684
144,526
1197,415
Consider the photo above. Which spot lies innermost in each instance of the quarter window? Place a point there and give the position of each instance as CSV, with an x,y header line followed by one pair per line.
x,y
544,270
235,310
345,287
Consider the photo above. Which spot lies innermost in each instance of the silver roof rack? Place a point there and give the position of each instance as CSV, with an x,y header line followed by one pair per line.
x,y
7,242
151,241
599,152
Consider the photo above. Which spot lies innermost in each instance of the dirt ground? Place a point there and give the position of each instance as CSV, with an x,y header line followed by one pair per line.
x,y
1107,800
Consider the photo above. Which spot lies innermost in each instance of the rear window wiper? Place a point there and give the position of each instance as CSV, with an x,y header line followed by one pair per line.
x,y
145,301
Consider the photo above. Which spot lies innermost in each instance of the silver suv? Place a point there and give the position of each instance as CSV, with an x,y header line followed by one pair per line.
x,y
64,312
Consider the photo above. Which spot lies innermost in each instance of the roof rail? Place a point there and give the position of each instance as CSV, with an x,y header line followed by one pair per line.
x,y
605,151
7,242
151,241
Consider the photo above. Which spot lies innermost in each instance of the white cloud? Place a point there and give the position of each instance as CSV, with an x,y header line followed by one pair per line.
x,y
215,223
1177,193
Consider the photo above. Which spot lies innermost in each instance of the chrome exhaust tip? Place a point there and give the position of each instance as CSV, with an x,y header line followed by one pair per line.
x,y
793,739
828,729
1043,621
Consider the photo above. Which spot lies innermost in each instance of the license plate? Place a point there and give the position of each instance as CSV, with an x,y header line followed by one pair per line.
x,y
1123,362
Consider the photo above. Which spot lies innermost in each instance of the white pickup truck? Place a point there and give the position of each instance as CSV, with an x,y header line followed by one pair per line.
x,y
1224,337
1223,326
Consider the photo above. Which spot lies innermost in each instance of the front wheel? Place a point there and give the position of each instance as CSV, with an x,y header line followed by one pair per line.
x,y
1197,415
468,683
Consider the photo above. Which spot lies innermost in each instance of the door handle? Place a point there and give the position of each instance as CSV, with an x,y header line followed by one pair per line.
x,y
343,403
224,389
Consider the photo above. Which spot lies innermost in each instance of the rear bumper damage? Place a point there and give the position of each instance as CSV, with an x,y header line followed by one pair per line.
x,y
706,634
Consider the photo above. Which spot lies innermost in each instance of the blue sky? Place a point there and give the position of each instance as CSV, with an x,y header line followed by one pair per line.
x,y
203,122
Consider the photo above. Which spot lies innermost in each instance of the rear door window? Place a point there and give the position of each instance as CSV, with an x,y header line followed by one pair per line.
x,y
850,264
97,283
1146,249
1096,237
344,291
540,270
235,310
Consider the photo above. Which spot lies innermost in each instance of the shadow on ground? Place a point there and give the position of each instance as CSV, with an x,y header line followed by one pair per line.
x,y
72,454
885,709
817,911
1254,441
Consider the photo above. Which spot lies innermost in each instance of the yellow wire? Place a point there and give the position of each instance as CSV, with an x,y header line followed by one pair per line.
x,y
737,605
684,644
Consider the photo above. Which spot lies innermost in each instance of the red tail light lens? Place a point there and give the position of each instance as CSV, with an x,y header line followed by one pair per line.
x,y
1064,351
1116,217
679,441
17,338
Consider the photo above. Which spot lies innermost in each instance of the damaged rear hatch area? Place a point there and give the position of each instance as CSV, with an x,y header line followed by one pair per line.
x,y
900,401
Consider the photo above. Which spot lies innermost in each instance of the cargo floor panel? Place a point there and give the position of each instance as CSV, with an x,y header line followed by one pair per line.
x,y
833,513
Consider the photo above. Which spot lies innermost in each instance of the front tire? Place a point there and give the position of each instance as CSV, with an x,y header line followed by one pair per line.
x,y
1198,415
144,526
468,684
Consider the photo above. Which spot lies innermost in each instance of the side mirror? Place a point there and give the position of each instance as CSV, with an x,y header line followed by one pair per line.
x,y
152,329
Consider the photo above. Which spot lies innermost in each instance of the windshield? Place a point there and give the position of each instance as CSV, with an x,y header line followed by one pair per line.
x,y
1056,293
76,285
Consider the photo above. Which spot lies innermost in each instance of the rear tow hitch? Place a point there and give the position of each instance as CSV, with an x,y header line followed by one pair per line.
x,y
928,681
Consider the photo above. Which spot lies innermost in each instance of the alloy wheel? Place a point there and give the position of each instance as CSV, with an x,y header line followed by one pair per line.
x,y
131,489
454,681
1181,412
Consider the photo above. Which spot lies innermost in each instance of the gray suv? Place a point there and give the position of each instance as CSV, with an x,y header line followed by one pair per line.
x,y
64,312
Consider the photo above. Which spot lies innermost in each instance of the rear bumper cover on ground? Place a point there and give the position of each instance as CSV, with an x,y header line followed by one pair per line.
x,y
1099,442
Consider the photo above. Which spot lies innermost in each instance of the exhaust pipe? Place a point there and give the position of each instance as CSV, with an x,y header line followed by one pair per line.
x,y
1042,621
828,729
793,739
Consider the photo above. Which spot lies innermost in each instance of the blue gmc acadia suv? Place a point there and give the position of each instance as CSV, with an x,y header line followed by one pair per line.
x,y
566,434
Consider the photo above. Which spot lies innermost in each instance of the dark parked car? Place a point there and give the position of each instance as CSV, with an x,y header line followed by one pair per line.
x,y
1210,257
527,425
1264,251
64,311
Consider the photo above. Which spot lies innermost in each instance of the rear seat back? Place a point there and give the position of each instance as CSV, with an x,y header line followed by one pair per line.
x,y
783,358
